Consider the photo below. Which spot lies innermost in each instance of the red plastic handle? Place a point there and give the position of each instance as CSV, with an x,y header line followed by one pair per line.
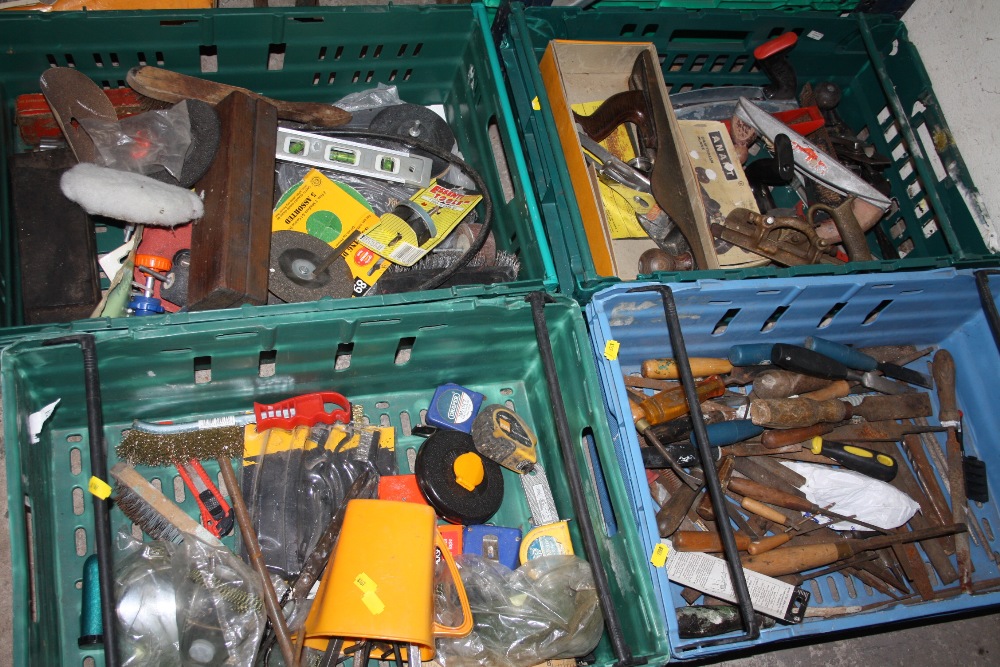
x,y
304,410
775,46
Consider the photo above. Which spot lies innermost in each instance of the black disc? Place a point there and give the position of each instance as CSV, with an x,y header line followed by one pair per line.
x,y
436,478
412,121
294,258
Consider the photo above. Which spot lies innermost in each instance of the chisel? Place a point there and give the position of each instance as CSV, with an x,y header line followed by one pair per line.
x,y
705,541
765,494
802,360
782,384
860,361
805,412
666,369
789,560
943,369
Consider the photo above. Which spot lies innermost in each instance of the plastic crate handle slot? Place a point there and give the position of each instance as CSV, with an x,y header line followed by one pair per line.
x,y
600,483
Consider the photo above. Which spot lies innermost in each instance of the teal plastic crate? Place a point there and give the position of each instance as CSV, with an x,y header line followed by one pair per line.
x,y
938,308
887,93
434,55
389,360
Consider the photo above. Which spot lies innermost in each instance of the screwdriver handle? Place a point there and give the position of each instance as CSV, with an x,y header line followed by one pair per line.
x,y
760,509
750,354
723,434
842,353
768,543
778,438
790,560
771,496
671,403
797,412
859,459
666,369
705,541
782,384
802,360
836,389
943,370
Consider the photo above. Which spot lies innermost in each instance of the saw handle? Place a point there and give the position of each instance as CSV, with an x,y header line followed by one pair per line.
x,y
943,370
772,58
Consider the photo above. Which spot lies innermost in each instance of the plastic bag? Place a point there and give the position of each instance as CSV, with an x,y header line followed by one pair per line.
x,y
854,494
220,606
147,611
373,98
545,609
145,143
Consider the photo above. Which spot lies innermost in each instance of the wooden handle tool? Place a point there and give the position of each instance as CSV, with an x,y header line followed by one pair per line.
x,y
943,370
705,541
666,369
778,438
746,487
789,560
797,412
167,86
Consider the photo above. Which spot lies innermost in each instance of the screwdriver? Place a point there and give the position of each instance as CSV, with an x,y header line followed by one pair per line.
x,y
671,403
775,541
860,361
789,560
666,369
802,360
859,459
705,541
765,494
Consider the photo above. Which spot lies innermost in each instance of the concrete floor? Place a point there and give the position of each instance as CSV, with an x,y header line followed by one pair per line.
x,y
960,46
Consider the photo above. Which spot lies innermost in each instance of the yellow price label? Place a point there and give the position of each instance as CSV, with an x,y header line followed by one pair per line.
x,y
99,488
535,104
365,583
659,557
373,602
611,350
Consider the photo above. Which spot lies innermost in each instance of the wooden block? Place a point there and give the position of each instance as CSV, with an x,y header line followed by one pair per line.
x,y
56,248
231,244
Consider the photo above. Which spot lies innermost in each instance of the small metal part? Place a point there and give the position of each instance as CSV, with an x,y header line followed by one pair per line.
x,y
539,496
766,235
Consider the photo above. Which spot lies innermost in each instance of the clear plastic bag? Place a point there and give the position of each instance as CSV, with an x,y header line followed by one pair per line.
x,y
145,143
147,611
545,609
220,606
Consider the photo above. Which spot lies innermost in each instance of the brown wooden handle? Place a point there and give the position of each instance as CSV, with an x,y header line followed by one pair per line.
x,y
767,543
670,516
797,412
789,560
943,370
779,438
705,541
782,384
760,509
666,369
899,406
166,86
837,389
765,494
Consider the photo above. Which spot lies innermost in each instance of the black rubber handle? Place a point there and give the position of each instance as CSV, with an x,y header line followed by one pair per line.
x,y
859,459
807,362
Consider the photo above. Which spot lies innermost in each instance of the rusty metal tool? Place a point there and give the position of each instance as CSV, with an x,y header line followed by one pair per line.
x,y
803,360
788,560
766,235
851,235
943,370
645,106
780,438
937,508
746,487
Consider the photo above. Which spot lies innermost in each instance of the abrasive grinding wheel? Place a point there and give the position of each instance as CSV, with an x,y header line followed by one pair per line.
x,y
294,259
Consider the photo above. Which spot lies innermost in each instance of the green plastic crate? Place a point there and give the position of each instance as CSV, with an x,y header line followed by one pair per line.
x,y
149,371
434,55
940,221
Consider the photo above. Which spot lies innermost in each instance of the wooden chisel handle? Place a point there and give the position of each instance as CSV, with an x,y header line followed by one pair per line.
x,y
705,541
760,509
778,438
943,370
765,494
797,412
782,384
666,369
767,543
789,560
836,389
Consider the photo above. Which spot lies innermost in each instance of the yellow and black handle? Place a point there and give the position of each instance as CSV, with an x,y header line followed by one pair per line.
x,y
860,459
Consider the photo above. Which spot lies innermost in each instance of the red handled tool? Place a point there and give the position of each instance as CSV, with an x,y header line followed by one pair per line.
x,y
325,407
216,514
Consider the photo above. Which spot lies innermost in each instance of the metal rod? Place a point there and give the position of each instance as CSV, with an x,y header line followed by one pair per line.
x,y
102,508
744,603
621,649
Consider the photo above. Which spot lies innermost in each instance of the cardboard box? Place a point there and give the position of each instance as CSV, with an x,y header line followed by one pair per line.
x,y
578,72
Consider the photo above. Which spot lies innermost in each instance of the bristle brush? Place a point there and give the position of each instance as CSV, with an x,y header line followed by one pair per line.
x,y
152,511
220,439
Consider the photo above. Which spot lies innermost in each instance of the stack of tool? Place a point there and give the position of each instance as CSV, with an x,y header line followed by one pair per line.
x,y
826,405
